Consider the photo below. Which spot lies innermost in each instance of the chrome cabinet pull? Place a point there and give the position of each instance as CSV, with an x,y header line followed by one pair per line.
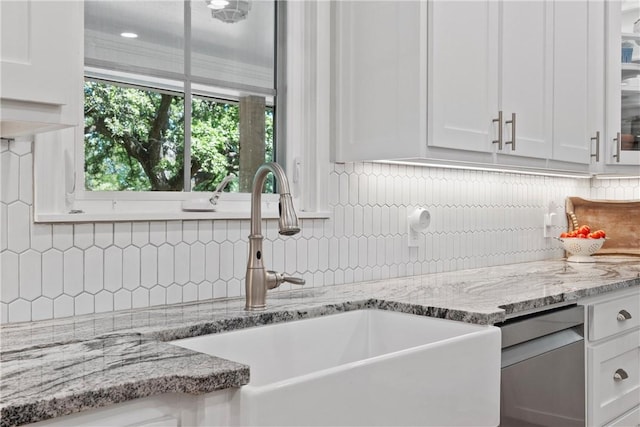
x,y
597,140
512,122
620,375
618,141
499,140
623,315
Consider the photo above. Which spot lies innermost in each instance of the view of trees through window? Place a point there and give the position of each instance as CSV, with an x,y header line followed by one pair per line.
x,y
134,140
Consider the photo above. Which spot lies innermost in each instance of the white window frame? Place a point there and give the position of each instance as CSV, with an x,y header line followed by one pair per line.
x,y
303,149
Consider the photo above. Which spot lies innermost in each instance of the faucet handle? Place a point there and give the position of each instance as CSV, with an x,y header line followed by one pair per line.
x,y
275,279
293,280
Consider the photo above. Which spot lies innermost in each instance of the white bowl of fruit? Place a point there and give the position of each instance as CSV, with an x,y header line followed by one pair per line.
x,y
581,243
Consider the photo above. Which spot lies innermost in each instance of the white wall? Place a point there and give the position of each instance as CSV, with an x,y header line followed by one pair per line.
x,y
478,219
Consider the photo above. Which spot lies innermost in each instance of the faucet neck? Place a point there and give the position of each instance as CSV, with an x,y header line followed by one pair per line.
x,y
256,193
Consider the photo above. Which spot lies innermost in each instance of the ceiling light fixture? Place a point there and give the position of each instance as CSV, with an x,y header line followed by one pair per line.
x,y
217,4
129,35
229,11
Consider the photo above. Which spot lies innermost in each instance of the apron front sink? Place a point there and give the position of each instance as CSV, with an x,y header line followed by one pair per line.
x,y
364,367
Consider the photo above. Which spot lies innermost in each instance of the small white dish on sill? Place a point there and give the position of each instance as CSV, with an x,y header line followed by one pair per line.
x,y
579,249
198,205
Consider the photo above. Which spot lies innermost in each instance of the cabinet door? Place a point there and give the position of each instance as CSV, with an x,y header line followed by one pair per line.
x,y
164,410
380,90
623,94
613,369
608,318
41,60
39,48
572,88
631,418
526,73
463,75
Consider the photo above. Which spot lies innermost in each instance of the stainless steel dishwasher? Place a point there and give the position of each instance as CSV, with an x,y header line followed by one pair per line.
x,y
542,381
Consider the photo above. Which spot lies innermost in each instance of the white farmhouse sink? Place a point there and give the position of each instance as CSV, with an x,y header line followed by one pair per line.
x,y
365,367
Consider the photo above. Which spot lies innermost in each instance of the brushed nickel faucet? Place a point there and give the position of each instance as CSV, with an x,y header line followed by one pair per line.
x,y
258,280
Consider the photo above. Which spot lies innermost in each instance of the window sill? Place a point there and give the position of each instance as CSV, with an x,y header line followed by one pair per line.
x,y
162,216
161,206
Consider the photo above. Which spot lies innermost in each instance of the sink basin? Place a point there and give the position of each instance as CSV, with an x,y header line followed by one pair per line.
x,y
364,367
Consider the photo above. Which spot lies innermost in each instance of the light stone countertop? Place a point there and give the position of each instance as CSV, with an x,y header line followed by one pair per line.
x,y
62,366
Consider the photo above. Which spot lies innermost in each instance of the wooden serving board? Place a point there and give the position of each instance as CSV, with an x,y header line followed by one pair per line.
x,y
620,219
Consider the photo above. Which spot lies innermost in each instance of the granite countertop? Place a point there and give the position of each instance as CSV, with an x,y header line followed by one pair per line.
x,y
57,367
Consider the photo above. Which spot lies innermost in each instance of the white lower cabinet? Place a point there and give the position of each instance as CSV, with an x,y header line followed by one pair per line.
x,y
631,418
613,316
615,387
166,410
613,359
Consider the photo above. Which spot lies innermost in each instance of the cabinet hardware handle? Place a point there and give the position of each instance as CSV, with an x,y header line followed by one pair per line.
x,y
499,140
620,375
618,141
512,122
597,140
623,315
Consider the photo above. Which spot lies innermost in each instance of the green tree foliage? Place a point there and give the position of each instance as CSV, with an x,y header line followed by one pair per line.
x,y
214,142
134,140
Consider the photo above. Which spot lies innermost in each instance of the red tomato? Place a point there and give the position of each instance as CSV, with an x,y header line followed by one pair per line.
x,y
599,234
585,229
564,235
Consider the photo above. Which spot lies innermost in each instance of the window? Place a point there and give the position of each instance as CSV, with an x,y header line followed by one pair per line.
x,y
300,143
178,95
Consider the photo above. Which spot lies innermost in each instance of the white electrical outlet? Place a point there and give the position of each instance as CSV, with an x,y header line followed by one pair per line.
x,y
418,220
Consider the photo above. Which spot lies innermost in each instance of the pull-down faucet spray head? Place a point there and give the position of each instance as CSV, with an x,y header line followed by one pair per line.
x,y
288,223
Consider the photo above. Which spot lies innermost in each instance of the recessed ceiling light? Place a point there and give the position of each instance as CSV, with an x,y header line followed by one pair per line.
x,y
129,35
217,4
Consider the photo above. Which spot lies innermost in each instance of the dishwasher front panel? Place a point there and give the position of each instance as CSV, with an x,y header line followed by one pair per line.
x,y
545,390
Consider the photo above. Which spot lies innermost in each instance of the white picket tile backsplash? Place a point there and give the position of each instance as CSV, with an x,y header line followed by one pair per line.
x,y
62,306
53,273
30,274
41,309
477,219
73,272
103,301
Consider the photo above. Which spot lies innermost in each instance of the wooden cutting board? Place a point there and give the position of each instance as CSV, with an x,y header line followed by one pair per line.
x,y
620,219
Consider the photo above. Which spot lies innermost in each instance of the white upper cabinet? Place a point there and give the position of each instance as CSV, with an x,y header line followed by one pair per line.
x,y
577,79
486,63
517,83
380,108
463,75
41,62
526,76
622,135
